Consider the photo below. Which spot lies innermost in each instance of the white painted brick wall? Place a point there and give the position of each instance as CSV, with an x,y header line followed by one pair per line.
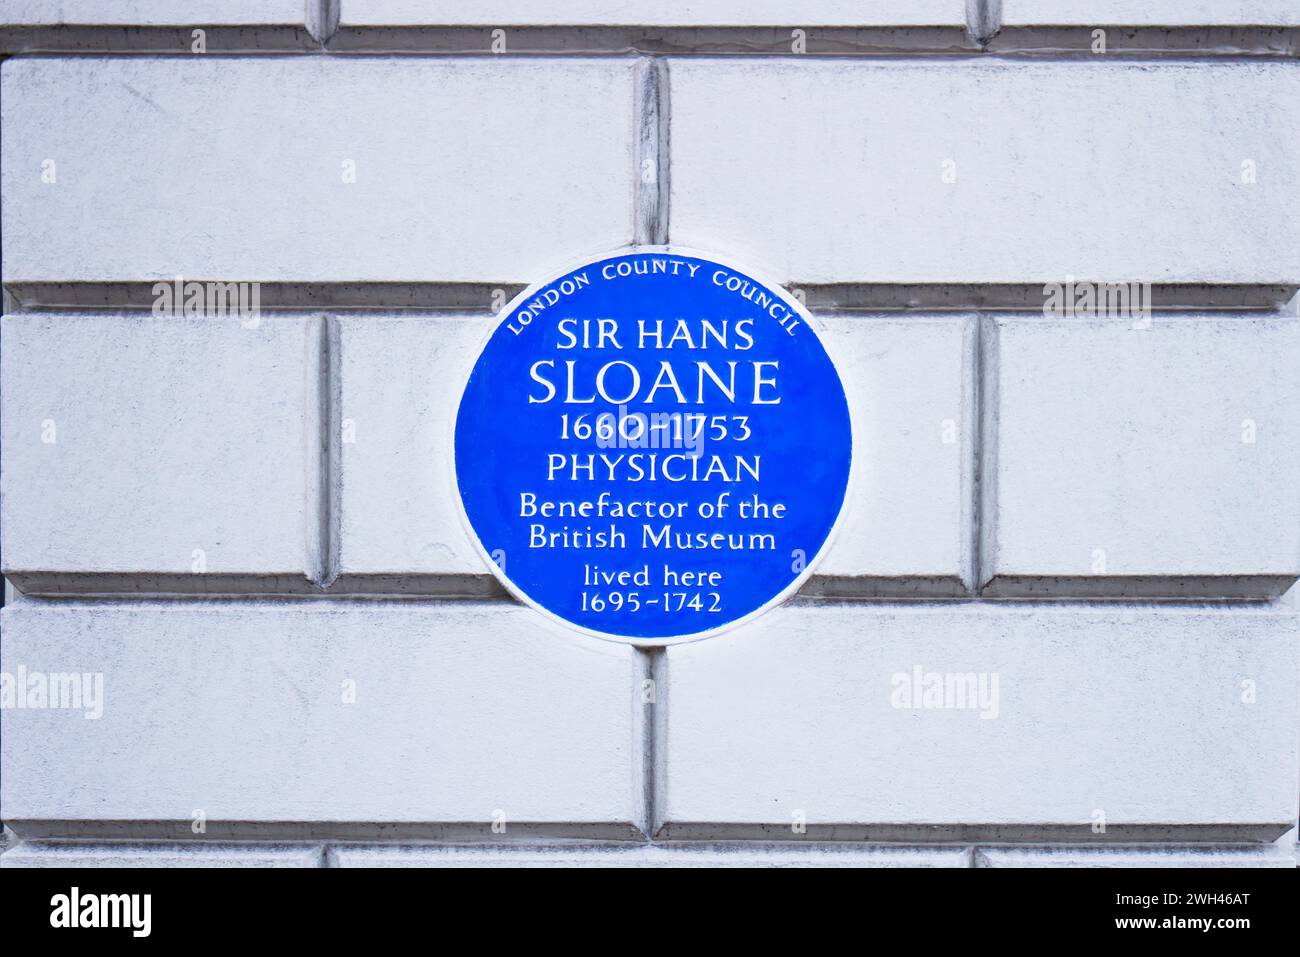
x,y
715,26
711,13
388,203
1151,12
398,506
910,388
136,450
1124,454
145,13
483,171
1152,191
38,26
1094,714
239,711
1142,27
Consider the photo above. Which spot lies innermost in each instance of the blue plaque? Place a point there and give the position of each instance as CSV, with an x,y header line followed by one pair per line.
x,y
654,446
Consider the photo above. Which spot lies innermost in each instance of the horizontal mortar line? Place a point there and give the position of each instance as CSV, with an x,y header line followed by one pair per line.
x,y
1104,603
1211,844
1252,834
1034,588
80,830
1145,55
540,846
1262,586
542,843
950,296
523,835
885,587
476,39
581,844
964,52
664,39
1183,37
318,296
480,297
1183,604
1010,55
182,585
498,597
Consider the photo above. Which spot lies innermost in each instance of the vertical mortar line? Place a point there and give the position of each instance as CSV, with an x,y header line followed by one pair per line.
x,y
317,429
647,704
983,20
971,436
651,203
643,740
985,499
654,723
978,438
330,478
973,366
322,19
664,169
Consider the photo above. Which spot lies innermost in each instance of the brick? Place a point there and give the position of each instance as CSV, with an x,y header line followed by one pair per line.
x,y
905,531
1119,27
138,446
1158,461
1100,13
720,854
712,13
400,523
161,855
1032,201
1181,857
717,26
237,710
465,171
145,13
28,26
1139,715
